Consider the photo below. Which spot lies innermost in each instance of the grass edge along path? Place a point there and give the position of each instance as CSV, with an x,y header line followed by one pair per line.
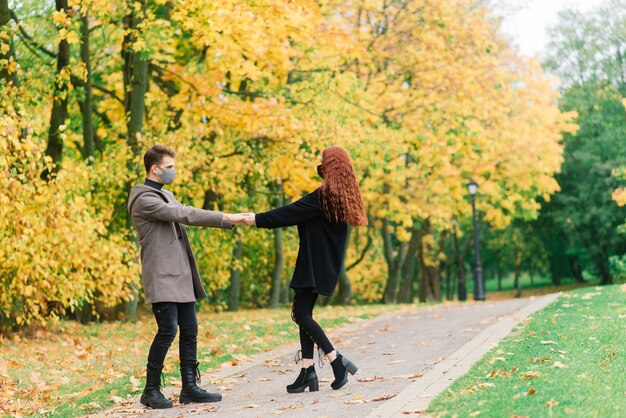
x,y
568,359
78,369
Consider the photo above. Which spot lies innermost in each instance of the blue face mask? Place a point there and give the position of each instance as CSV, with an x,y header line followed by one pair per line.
x,y
167,175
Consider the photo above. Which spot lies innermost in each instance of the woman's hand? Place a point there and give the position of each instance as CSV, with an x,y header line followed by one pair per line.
x,y
249,219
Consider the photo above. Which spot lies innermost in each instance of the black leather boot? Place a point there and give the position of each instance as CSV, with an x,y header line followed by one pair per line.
x,y
191,392
152,396
341,367
306,379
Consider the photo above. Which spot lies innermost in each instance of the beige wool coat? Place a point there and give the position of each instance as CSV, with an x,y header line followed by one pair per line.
x,y
169,272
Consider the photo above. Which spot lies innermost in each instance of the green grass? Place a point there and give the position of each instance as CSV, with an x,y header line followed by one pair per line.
x,y
567,360
71,369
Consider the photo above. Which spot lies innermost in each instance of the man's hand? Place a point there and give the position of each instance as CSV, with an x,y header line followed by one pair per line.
x,y
237,219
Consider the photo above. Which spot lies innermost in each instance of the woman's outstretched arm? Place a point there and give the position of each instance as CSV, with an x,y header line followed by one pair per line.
x,y
295,213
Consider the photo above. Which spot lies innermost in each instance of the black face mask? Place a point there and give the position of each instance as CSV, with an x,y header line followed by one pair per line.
x,y
319,171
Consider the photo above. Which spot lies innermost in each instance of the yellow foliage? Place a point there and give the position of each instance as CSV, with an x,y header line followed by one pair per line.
x,y
424,95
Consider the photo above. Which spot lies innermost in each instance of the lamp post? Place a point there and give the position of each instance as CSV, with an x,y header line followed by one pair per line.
x,y
479,288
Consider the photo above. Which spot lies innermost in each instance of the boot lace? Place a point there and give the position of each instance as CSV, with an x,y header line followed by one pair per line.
x,y
196,371
320,356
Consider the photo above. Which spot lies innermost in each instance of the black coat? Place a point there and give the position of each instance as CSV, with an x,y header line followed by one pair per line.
x,y
322,243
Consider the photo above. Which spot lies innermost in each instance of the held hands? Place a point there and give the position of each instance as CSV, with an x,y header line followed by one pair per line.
x,y
240,218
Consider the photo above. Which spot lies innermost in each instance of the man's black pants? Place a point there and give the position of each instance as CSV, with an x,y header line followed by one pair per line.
x,y
169,317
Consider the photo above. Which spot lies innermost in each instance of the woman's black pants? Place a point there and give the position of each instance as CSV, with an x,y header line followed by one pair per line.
x,y
310,331
171,316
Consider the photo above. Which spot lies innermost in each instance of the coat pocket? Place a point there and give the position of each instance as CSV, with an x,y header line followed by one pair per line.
x,y
168,260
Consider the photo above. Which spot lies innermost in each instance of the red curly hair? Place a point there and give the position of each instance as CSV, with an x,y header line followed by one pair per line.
x,y
340,196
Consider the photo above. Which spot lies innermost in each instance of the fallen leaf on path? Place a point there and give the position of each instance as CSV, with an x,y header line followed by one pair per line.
x,y
384,397
413,411
548,342
371,379
284,409
559,365
530,375
251,406
438,360
355,400
531,392
408,376
551,403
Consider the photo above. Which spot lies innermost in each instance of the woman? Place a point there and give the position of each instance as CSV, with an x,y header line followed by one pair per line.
x,y
322,218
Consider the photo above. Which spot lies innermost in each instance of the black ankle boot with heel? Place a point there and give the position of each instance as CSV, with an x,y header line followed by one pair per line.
x,y
341,367
306,379
191,392
152,396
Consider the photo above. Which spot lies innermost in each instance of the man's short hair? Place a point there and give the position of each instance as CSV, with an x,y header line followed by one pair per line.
x,y
155,155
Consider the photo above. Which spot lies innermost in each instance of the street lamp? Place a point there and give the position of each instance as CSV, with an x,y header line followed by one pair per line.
x,y
479,288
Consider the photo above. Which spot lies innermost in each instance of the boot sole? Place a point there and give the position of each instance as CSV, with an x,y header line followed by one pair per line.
x,y
156,406
313,386
185,400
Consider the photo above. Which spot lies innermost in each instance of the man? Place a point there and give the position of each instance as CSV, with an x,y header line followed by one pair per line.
x,y
170,276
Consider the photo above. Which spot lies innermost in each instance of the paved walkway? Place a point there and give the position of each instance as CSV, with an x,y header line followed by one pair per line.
x,y
405,358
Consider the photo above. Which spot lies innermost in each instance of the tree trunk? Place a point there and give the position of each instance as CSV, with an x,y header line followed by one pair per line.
x,y
58,116
409,269
435,282
394,264
278,254
499,273
234,293
285,293
135,76
86,105
603,271
517,283
576,270
460,271
344,291
6,74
